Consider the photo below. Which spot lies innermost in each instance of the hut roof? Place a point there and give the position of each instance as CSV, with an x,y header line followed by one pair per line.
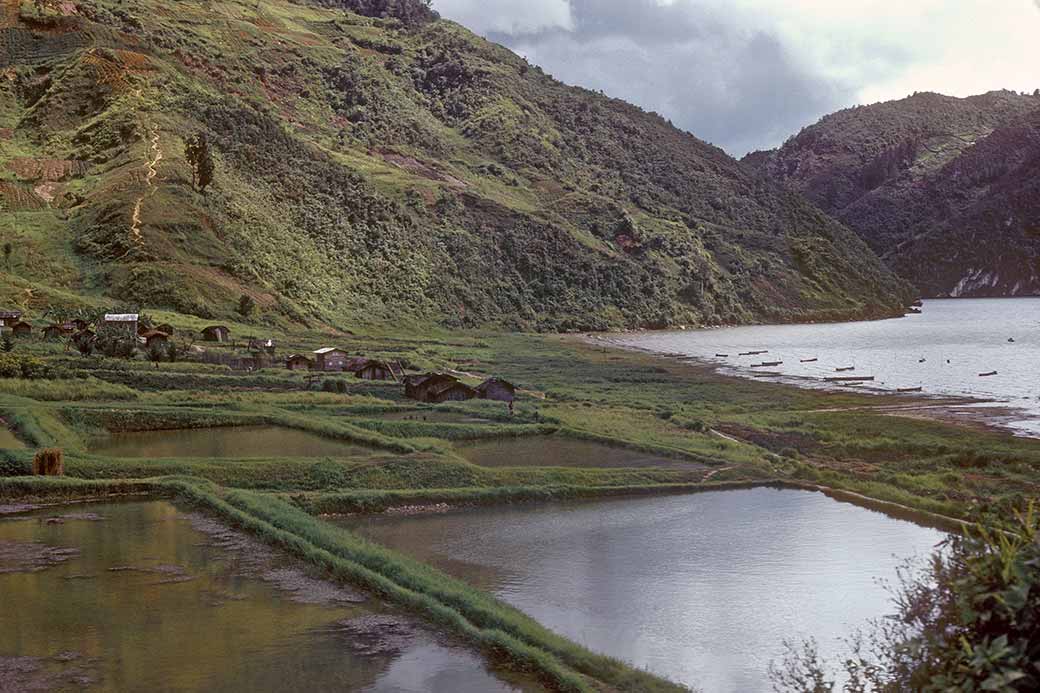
x,y
121,317
10,314
494,381
215,327
441,387
329,350
21,323
297,357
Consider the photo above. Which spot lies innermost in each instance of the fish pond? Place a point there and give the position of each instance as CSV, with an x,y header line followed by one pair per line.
x,y
224,442
702,589
560,451
144,596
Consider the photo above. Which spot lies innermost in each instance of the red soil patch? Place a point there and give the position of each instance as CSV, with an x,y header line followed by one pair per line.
x,y
52,170
413,165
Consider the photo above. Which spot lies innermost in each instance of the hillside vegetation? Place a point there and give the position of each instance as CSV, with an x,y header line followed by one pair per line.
x,y
946,190
377,164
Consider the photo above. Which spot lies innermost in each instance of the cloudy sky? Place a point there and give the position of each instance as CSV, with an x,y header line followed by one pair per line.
x,y
746,74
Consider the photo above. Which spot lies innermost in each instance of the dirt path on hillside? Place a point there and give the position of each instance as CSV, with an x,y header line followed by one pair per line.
x,y
152,168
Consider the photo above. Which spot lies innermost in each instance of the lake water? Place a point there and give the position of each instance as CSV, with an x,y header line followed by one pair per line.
x,y
700,588
957,338
560,451
224,441
142,596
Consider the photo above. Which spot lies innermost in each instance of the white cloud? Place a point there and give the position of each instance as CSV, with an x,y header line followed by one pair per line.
x,y
747,73
507,16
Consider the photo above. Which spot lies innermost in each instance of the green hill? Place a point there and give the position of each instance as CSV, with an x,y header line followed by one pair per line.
x,y
376,164
945,190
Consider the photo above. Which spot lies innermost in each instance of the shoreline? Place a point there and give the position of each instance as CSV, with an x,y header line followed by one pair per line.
x,y
957,410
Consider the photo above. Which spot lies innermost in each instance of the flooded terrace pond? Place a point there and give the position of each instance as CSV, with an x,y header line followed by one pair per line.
x,y
8,438
560,451
700,588
224,441
143,596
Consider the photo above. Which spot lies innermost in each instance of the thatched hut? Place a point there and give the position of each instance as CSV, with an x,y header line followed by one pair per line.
x,y
154,338
298,362
216,333
437,387
21,329
496,389
375,370
58,330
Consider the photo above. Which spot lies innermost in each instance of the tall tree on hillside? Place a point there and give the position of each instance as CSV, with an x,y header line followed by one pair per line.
x,y
200,158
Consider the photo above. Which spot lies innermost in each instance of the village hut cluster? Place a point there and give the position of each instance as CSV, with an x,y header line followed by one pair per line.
x,y
430,388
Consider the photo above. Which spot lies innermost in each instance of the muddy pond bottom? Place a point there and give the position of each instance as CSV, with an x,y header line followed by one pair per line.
x,y
142,596
223,442
700,588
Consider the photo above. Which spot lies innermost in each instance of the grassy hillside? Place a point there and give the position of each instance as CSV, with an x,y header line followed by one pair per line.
x,y
946,190
375,164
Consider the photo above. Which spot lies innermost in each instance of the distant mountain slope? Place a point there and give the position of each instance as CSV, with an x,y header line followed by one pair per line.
x,y
946,190
375,163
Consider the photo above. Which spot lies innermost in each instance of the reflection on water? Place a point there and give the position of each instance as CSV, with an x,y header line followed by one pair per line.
x,y
559,451
226,441
943,350
700,588
146,598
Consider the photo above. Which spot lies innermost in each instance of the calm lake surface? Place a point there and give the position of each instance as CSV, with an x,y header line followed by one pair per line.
x,y
224,441
144,597
700,588
957,338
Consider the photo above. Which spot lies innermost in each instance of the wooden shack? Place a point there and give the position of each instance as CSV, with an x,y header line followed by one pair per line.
x,y
375,370
298,362
216,333
58,330
436,387
330,359
9,317
21,329
154,338
121,322
496,389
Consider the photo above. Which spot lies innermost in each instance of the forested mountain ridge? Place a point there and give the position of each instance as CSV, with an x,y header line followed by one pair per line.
x,y
374,163
945,190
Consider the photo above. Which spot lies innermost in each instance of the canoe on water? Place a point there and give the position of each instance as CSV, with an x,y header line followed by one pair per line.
x,y
812,360
766,364
986,375
845,368
908,389
850,379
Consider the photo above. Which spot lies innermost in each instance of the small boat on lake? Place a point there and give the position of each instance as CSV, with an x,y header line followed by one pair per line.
x,y
722,356
812,360
766,364
753,353
845,368
986,375
849,379
766,374
908,389
921,360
